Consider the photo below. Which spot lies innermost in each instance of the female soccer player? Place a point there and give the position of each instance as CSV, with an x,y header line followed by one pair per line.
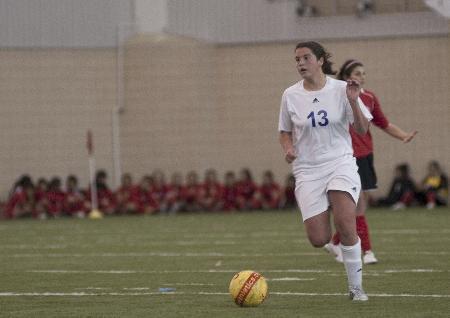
x,y
314,121
363,151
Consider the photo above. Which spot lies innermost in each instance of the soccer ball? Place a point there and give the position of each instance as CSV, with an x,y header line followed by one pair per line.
x,y
248,288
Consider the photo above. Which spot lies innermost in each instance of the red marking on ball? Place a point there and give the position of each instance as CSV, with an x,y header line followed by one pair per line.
x,y
246,288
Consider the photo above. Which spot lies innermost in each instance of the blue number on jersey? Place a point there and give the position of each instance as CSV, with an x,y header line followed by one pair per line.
x,y
311,115
323,121
324,117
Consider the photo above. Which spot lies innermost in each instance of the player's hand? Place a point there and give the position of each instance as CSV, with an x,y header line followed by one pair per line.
x,y
410,136
353,90
290,156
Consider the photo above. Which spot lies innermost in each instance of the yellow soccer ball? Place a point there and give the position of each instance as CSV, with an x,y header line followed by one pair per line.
x,y
248,288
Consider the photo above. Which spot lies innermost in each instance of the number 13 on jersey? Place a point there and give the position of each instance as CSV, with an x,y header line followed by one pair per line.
x,y
322,118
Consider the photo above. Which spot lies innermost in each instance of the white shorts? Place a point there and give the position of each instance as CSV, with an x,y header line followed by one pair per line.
x,y
312,185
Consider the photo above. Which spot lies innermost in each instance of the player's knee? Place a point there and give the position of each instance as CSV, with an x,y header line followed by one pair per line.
x,y
319,241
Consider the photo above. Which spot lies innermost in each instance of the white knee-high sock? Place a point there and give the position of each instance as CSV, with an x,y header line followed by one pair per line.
x,y
353,263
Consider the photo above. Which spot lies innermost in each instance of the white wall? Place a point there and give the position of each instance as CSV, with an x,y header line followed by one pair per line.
x,y
151,15
61,23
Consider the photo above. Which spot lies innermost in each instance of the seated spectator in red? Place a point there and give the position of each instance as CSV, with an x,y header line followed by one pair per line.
x,y
210,192
435,186
191,193
75,203
246,190
403,190
127,196
22,200
159,190
55,197
229,193
174,194
269,192
288,200
146,203
41,189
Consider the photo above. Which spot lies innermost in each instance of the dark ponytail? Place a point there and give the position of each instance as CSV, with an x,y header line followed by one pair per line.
x,y
319,51
347,69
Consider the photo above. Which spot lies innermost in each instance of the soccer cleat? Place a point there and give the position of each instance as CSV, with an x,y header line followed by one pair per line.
x,y
356,293
398,206
431,205
335,251
369,258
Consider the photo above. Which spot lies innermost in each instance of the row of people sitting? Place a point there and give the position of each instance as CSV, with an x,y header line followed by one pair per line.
x,y
151,195
432,191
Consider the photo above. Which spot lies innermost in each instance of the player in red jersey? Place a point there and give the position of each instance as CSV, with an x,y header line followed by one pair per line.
x,y
127,196
269,193
363,151
159,190
40,190
229,193
288,195
191,193
210,192
22,199
75,203
246,190
55,198
174,194
146,203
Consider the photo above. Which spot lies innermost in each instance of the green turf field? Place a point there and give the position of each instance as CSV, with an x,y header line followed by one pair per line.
x,y
114,267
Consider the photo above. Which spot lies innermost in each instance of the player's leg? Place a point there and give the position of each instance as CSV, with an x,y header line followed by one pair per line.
x,y
344,211
318,229
362,229
366,171
313,203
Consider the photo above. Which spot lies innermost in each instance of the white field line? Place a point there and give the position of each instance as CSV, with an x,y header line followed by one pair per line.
x,y
191,254
83,294
31,246
93,288
314,271
188,284
289,279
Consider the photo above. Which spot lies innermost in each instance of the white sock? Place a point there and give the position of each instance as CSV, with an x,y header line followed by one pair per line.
x,y
353,263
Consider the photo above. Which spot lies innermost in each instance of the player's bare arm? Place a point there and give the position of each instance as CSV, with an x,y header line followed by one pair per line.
x,y
360,124
287,145
399,133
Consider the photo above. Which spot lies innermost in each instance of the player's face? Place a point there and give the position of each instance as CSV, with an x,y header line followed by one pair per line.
x,y
358,74
307,64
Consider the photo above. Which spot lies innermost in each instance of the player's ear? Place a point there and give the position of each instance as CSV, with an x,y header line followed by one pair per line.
x,y
320,61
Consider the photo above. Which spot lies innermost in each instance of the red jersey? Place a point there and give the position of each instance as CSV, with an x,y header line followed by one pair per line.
x,y
211,190
74,202
127,194
146,202
362,144
174,193
55,202
246,189
18,198
159,193
270,195
229,197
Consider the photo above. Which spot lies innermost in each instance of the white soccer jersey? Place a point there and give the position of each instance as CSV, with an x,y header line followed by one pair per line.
x,y
319,122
